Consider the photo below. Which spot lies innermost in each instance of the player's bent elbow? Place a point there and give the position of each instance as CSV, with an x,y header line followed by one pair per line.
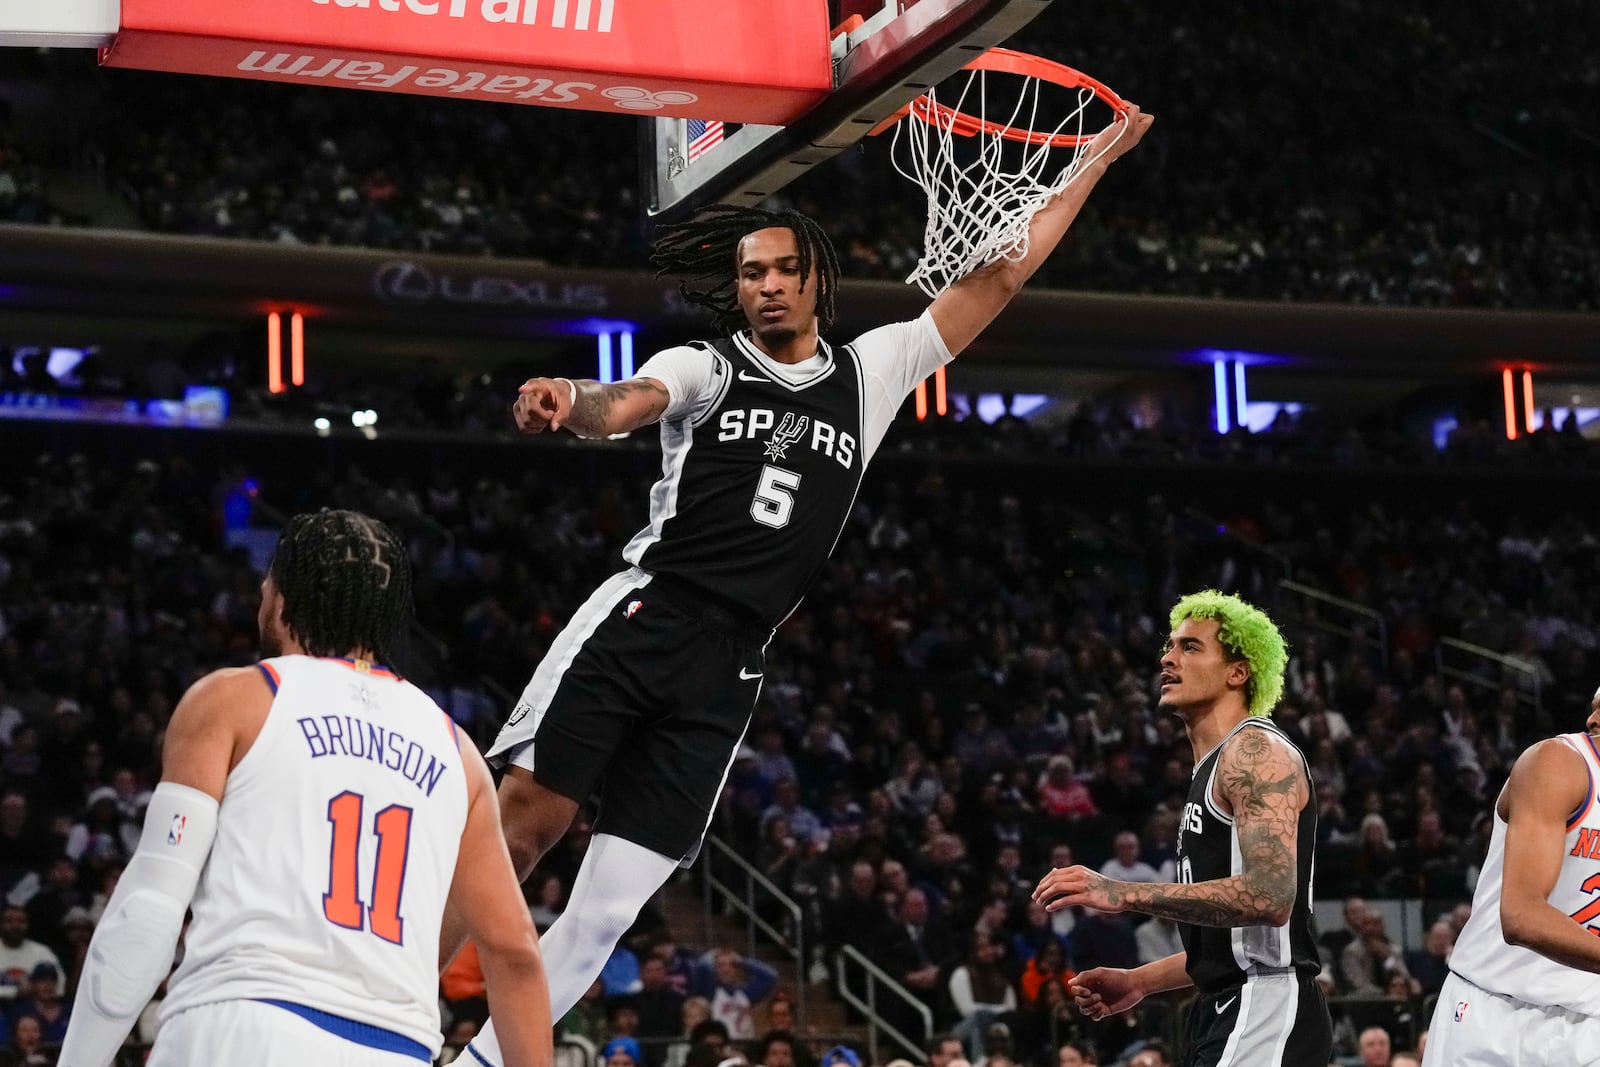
x,y
1514,924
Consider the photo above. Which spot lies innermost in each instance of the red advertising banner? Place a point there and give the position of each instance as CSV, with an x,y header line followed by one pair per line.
x,y
715,59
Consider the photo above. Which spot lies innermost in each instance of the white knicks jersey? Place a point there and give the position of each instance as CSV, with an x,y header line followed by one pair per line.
x,y
335,850
1481,954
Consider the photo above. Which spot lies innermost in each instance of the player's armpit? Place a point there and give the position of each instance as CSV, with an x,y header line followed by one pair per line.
x,y
1548,783
606,409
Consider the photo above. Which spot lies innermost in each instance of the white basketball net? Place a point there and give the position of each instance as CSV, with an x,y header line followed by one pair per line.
x,y
979,211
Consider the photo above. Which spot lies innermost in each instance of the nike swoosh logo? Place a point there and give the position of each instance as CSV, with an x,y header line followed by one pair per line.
x,y
745,676
743,377
1224,1005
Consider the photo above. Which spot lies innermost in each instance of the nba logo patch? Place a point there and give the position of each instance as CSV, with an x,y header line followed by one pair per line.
x,y
1461,1009
175,831
633,606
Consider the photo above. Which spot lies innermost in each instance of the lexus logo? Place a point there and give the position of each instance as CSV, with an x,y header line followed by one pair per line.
x,y
403,282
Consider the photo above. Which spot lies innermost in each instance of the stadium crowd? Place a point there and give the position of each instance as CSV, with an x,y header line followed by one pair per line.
x,y
964,700
1398,154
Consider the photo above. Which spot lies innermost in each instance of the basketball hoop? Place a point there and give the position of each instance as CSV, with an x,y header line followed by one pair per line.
x,y
983,194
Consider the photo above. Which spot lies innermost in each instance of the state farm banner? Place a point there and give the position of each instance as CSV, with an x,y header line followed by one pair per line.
x,y
716,59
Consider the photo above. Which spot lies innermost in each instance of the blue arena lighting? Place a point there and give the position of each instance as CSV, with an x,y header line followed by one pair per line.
x,y
1220,375
627,352
606,372
1240,406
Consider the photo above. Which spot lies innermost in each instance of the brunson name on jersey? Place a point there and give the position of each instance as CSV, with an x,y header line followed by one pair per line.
x,y
347,735
836,444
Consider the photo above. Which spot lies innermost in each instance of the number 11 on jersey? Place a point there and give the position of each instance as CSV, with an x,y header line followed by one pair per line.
x,y
341,904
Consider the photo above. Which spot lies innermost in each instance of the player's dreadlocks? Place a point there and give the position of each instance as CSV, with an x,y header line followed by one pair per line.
x,y
704,254
346,583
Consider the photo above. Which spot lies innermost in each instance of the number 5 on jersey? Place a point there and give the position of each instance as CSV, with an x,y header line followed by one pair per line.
x,y
341,904
774,500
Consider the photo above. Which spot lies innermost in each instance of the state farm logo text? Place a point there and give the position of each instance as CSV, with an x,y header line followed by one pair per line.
x,y
560,14
371,74
401,282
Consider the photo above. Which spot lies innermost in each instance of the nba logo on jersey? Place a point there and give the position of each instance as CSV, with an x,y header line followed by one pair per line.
x,y
633,606
175,831
1461,1009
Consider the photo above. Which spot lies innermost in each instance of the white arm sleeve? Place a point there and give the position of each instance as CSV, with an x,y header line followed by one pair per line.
x,y
693,378
894,358
132,948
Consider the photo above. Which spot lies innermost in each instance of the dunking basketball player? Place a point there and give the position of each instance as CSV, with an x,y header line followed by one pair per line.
x,y
1524,983
645,696
1243,907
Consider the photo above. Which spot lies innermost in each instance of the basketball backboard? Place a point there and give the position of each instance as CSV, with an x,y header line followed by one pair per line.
x,y
880,64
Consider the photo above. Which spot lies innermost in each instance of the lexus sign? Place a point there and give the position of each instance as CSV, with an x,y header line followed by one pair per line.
x,y
402,282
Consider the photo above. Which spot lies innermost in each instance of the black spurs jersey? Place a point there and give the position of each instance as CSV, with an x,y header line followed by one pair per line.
x,y
760,470
1208,849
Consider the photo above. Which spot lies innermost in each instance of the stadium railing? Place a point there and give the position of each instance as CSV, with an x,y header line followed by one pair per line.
x,y
740,894
1488,669
866,1003
1349,620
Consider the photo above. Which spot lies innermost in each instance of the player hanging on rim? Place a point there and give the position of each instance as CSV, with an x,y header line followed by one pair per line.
x,y
1524,982
645,696
1243,906
315,810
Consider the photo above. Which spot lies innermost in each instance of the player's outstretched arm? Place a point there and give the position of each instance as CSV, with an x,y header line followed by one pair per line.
x,y
1548,783
588,408
963,311
132,948
1263,781
488,897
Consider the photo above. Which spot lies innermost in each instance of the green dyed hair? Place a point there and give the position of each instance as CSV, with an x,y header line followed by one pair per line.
x,y
1246,633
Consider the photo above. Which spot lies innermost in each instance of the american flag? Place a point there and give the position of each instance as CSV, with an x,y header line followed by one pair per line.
x,y
703,137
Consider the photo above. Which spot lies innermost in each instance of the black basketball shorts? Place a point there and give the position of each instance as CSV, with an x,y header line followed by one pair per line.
x,y
644,700
1273,1020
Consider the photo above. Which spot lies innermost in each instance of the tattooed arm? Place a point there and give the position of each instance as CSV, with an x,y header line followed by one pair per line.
x,y
588,408
1262,780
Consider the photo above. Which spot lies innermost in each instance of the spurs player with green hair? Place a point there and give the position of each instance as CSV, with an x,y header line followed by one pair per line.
x,y
1243,902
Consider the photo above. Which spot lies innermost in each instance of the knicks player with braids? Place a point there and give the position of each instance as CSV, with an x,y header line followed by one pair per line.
x,y
645,696
1243,900
316,812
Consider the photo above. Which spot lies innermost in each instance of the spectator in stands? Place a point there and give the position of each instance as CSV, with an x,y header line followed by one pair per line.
x,y
1126,866
1153,1054
915,949
980,992
1062,795
44,1003
1048,967
1371,959
1104,940
1076,1054
1405,1059
1374,1047
1430,964
804,826
779,1048
587,1019
660,1007
1373,867
1432,864
621,1052
549,897
27,1042
20,956
734,985
25,846
943,1049
1157,939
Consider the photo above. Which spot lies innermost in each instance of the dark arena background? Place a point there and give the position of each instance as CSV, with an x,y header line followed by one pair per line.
x,y
1328,339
